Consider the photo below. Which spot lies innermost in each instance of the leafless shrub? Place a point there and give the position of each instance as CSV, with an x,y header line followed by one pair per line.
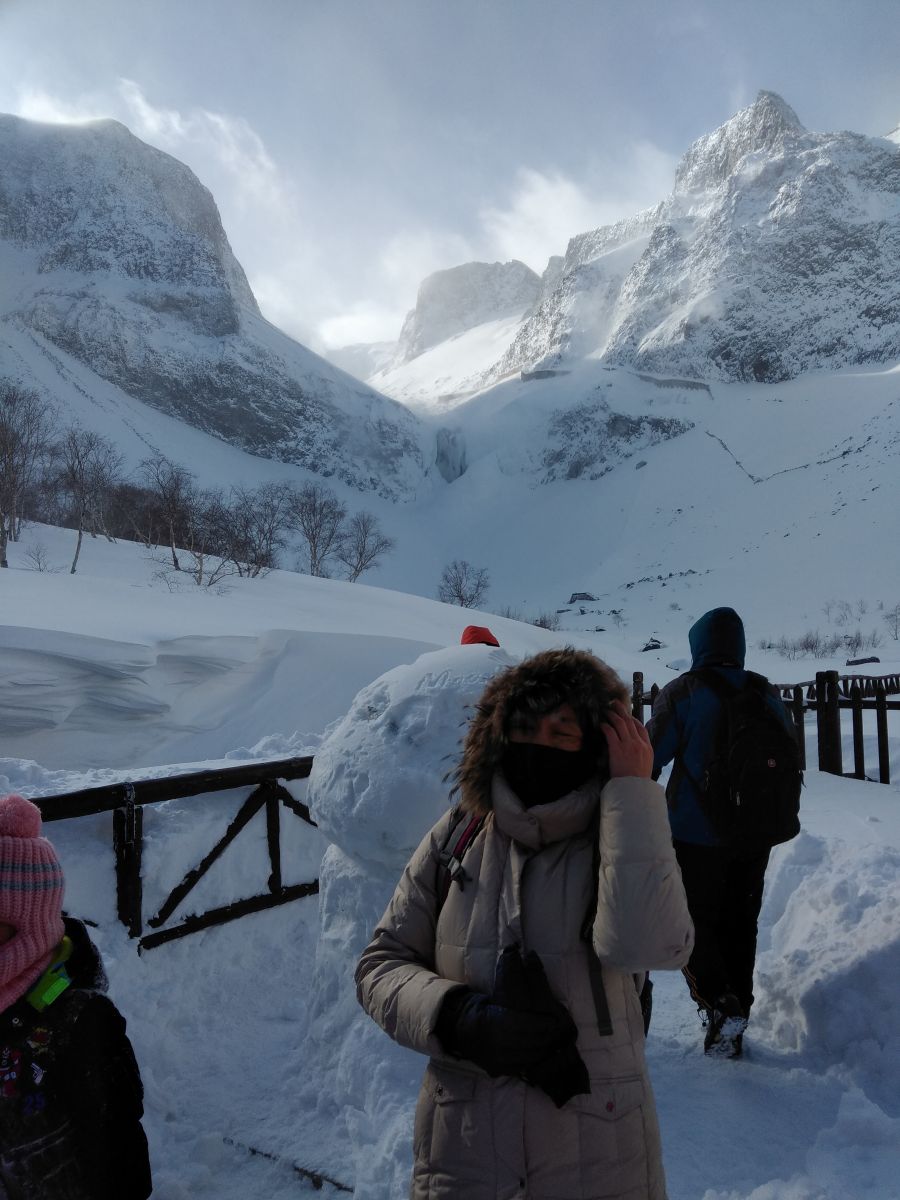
x,y
892,620
546,620
38,559
843,613
463,584
858,641
511,614
362,544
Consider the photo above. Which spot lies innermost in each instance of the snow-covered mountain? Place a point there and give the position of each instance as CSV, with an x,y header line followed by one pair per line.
x,y
114,267
777,252
453,301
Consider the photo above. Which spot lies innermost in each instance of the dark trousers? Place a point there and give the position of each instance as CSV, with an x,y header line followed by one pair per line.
x,y
724,890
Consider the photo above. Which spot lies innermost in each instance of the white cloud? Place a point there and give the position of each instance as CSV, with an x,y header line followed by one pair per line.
x,y
408,257
546,209
364,321
393,277
330,286
230,144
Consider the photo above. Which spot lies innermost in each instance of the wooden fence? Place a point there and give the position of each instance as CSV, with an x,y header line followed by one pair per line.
x,y
126,801
826,695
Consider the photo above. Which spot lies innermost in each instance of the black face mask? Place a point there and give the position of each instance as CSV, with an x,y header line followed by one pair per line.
x,y
541,774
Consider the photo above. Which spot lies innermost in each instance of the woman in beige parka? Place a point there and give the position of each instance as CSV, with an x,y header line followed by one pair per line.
x,y
519,983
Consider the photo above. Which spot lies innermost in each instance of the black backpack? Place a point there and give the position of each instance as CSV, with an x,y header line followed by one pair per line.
x,y
750,790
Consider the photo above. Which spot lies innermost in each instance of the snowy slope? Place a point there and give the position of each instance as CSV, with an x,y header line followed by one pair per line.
x,y
443,376
251,1033
113,258
653,493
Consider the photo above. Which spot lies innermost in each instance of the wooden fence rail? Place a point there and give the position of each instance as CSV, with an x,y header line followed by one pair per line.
x,y
127,800
826,695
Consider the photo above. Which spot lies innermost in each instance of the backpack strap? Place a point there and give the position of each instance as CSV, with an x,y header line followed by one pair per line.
x,y
464,829
595,971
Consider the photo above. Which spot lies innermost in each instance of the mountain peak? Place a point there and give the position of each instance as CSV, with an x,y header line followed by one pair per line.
x,y
765,125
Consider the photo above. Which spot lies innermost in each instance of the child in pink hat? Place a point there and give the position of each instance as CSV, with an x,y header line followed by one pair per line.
x,y
71,1099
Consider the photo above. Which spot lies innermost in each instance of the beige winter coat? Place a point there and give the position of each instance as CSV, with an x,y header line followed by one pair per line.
x,y
532,879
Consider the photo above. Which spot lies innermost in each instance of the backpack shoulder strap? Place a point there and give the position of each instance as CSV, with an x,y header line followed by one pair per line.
x,y
464,828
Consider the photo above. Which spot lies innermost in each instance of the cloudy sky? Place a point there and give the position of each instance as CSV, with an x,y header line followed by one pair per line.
x,y
354,146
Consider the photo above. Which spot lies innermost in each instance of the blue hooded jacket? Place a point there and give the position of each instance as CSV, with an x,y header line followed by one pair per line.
x,y
686,716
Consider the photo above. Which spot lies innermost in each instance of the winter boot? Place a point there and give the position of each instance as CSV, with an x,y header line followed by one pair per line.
x,y
725,1025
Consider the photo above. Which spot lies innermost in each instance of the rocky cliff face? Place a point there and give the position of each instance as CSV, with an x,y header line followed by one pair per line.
x,y
114,253
451,302
777,252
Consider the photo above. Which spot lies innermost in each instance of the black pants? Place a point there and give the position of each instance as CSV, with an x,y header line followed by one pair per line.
x,y
724,890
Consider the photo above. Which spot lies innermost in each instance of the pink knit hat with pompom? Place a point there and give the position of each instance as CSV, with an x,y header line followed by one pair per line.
x,y
31,895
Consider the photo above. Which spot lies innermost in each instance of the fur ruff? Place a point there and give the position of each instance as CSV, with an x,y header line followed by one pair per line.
x,y
572,676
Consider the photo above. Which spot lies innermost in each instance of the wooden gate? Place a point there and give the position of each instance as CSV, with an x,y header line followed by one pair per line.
x,y
127,800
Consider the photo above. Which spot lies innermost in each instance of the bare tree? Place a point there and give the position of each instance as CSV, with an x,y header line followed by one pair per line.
x,y
174,490
319,515
362,545
463,584
256,521
207,520
89,466
25,424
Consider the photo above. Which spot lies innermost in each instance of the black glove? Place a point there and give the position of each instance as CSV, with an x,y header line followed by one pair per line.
x,y
502,1040
561,1075
524,983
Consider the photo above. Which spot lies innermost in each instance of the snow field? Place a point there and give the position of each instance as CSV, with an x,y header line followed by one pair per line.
x,y
250,1033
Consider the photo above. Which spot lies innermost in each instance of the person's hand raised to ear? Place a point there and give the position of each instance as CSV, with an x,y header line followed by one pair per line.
x,y
630,752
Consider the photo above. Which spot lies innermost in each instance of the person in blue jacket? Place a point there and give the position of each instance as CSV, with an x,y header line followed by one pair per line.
x,y
723,883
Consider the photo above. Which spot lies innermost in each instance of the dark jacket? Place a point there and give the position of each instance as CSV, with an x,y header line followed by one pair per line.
x,y
71,1099
686,715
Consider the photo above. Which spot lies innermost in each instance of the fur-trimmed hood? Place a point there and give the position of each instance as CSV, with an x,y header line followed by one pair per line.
x,y
538,684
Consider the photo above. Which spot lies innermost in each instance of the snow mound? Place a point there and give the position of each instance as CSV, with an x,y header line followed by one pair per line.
x,y
378,785
828,976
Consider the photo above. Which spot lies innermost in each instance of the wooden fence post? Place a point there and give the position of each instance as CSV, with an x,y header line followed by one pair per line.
x,y
128,839
273,835
828,721
859,749
821,723
799,724
833,721
637,695
884,756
